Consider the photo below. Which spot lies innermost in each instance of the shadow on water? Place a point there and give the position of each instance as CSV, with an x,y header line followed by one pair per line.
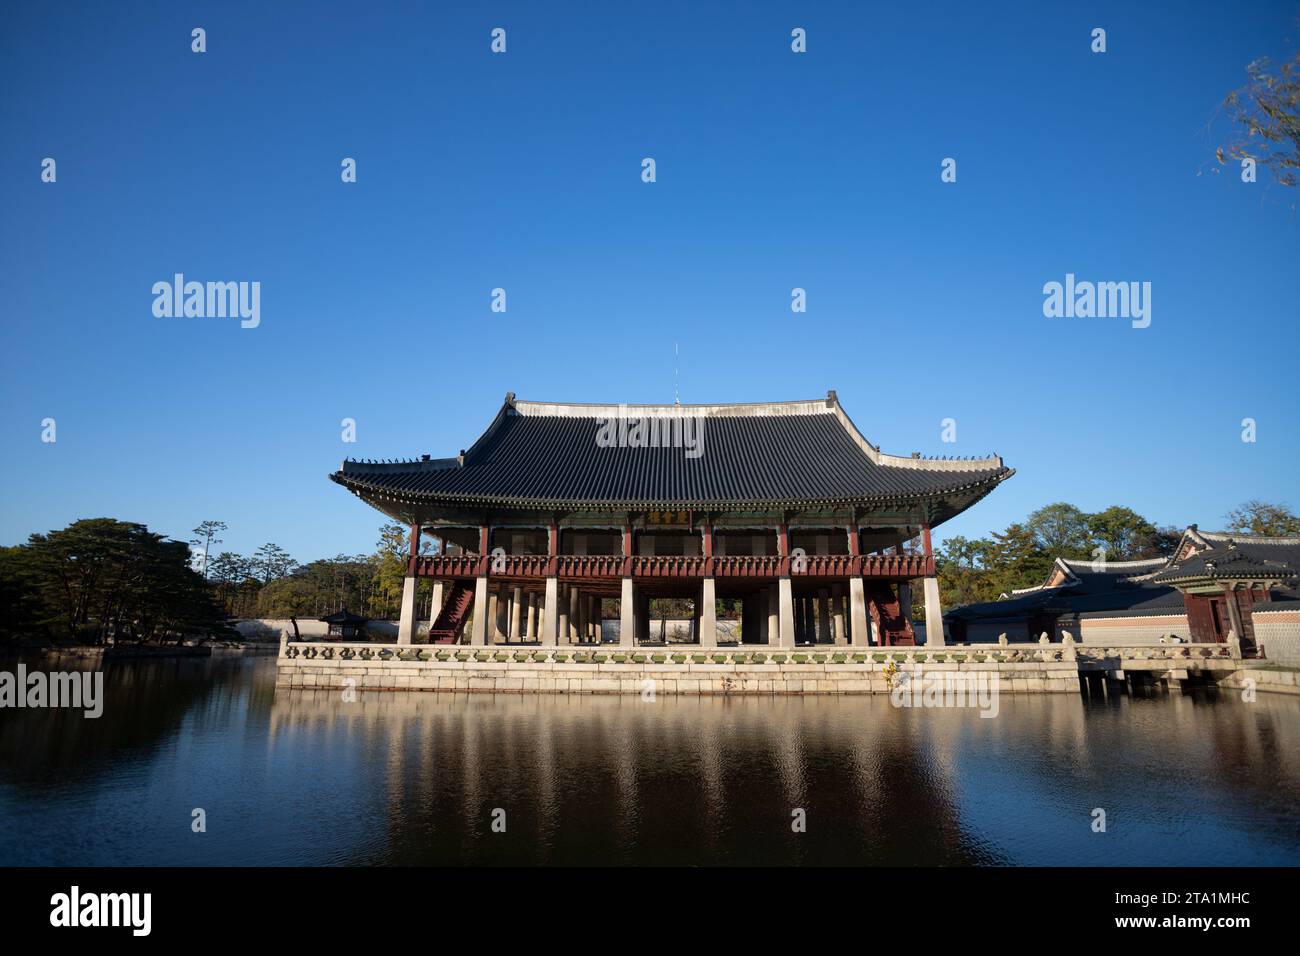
x,y
304,777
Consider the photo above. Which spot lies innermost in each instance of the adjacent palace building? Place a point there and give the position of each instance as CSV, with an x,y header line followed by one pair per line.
x,y
783,507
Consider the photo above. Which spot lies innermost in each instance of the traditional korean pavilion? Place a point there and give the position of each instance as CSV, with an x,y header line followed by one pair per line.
x,y
785,507
344,625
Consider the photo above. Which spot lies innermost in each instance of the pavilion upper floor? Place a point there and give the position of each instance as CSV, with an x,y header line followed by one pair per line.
x,y
687,544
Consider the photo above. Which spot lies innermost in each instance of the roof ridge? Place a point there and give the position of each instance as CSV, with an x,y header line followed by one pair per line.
x,y
1243,537
1092,563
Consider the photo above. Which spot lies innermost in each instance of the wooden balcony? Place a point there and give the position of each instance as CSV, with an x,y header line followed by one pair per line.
x,y
589,565
445,565
897,566
890,566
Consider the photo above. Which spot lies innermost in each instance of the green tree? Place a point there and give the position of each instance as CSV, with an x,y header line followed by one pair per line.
x,y
99,578
1263,517
1060,530
206,534
272,562
1121,532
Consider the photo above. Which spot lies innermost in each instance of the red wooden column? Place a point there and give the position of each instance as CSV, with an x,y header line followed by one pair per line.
x,y
706,528
627,548
484,538
929,549
414,549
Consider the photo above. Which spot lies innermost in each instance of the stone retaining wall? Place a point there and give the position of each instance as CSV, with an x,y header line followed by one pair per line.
x,y
668,678
1266,679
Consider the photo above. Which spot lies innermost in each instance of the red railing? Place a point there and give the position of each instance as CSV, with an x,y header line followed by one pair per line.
x,y
748,566
893,566
446,565
668,566
519,565
825,565
589,565
897,566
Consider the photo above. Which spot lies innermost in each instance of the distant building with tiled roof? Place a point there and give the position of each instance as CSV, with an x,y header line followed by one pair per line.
x,y
1214,583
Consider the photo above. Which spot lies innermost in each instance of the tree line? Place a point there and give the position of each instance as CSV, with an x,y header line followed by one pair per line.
x,y
982,569
100,580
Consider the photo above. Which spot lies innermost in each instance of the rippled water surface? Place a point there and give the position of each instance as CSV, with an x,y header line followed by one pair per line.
x,y
301,777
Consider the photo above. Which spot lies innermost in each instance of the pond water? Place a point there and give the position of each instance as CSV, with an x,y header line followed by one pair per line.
x,y
304,777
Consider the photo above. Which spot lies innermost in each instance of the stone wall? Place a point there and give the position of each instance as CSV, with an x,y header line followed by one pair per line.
x,y
668,678
1125,631
312,628
1273,681
1279,632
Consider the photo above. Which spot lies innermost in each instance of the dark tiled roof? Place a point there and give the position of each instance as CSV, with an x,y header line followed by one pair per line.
x,y
535,454
344,617
1244,557
1073,600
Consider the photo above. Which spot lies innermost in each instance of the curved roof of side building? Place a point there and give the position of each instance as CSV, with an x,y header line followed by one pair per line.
x,y
786,454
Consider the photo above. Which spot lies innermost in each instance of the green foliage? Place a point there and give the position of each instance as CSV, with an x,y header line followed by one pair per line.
x,y
1262,517
1021,556
99,579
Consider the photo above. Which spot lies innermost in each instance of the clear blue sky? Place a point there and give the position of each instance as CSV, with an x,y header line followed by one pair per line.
x,y
522,170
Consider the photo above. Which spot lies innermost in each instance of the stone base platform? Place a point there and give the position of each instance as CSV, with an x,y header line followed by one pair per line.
x,y
663,673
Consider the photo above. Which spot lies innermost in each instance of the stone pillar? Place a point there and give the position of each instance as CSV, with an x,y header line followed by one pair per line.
x,y
644,616
837,615
516,615
933,615
573,615
493,615
583,618
406,626
708,616
627,614
858,612
549,613
530,629
772,633
435,606
479,635
562,616
824,635
785,611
